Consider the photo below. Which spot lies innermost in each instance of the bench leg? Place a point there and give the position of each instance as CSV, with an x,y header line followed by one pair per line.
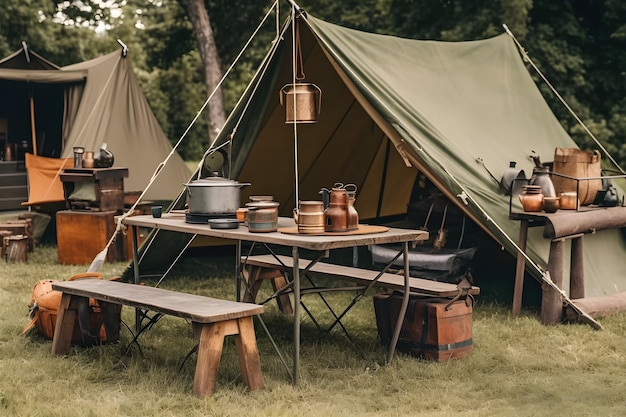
x,y
210,344
64,327
248,354
111,318
255,275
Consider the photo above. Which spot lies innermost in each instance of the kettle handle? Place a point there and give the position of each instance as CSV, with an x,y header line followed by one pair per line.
x,y
350,188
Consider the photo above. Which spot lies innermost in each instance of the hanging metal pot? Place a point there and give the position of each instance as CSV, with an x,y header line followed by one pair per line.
x,y
307,98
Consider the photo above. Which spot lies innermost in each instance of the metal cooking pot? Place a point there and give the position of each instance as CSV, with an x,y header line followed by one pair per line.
x,y
214,195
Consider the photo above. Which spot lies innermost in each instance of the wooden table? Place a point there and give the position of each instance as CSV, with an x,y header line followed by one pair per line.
x,y
176,222
558,227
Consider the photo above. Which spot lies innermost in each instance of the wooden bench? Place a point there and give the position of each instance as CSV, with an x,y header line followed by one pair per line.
x,y
266,267
212,319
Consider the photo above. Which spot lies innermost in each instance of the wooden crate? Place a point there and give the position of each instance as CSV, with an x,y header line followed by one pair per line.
x,y
81,235
433,329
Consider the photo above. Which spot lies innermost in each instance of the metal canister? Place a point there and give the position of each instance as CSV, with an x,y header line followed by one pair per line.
x,y
303,102
262,216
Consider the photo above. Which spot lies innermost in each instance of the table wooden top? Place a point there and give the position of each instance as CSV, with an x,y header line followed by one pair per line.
x,y
194,307
176,222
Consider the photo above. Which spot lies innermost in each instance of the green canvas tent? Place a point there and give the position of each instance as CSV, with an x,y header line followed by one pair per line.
x,y
456,111
88,104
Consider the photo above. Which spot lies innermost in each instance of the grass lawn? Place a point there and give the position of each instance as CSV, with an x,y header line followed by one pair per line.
x,y
518,367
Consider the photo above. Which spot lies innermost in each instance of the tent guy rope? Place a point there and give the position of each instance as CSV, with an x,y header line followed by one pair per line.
x,y
99,259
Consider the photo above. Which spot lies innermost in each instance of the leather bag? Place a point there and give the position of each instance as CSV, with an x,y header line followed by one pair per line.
x,y
44,307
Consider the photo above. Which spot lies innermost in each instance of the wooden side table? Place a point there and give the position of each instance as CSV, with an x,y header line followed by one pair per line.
x,y
559,227
108,187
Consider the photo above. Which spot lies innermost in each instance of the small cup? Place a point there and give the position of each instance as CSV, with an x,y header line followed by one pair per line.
x,y
551,204
156,211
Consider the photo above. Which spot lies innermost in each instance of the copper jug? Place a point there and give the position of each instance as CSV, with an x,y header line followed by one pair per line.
x,y
88,159
307,99
336,215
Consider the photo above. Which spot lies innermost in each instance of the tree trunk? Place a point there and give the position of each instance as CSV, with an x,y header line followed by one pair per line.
x,y
212,67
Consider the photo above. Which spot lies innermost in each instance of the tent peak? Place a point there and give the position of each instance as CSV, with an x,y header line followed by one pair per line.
x,y
293,3
25,48
124,48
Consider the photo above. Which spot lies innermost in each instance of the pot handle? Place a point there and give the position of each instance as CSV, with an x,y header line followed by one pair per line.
x,y
319,99
244,184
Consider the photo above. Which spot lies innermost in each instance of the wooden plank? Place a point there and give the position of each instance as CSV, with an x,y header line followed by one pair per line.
x,y
588,221
363,276
190,306
600,306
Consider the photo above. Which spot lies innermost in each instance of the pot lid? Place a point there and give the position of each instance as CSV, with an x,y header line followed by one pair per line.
x,y
262,204
213,182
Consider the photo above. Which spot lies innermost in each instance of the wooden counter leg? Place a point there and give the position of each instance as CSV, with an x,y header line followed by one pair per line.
x,y
551,300
64,327
210,344
577,270
248,354
519,270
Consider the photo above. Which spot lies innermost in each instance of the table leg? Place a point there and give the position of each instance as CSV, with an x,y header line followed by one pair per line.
x,y
551,300
238,269
296,315
136,272
577,270
519,270
405,303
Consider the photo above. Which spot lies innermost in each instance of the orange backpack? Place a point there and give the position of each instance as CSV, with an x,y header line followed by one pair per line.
x,y
44,306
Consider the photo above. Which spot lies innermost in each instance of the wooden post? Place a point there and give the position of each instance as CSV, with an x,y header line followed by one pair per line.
x,y
519,270
551,301
577,270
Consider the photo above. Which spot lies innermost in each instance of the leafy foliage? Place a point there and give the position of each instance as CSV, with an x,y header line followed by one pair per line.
x,y
578,46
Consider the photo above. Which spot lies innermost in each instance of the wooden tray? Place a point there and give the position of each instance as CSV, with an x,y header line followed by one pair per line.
x,y
364,229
